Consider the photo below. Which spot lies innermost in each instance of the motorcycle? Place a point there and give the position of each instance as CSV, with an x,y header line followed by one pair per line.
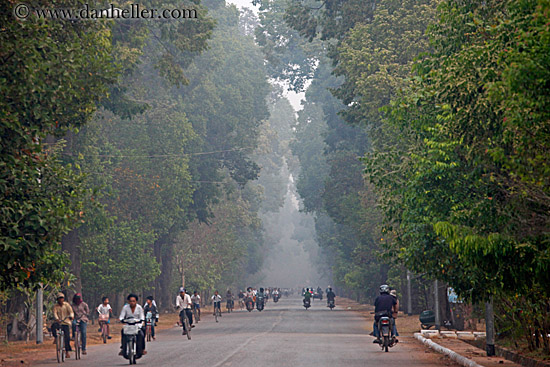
x,y
307,303
276,298
386,332
331,304
249,304
130,331
260,304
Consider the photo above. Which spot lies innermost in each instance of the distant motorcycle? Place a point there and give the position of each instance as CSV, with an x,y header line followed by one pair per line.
x,y
276,297
260,303
249,304
307,303
331,304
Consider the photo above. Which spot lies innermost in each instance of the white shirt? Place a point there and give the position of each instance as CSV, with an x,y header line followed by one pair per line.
x,y
183,303
128,314
196,299
104,310
216,298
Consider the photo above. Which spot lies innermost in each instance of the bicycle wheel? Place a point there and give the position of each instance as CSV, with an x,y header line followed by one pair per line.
x,y
195,314
77,344
188,328
104,332
58,348
62,342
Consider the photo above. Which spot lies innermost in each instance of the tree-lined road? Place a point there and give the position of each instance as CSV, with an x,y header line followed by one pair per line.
x,y
284,334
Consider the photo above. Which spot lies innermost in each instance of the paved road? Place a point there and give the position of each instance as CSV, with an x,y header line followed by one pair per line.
x,y
284,334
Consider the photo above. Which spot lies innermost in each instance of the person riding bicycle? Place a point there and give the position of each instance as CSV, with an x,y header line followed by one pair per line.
x,y
307,296
81,311
196,302
383,305
183,305
132,310
229,299
105,311
217,302
63,314
151,307
331,296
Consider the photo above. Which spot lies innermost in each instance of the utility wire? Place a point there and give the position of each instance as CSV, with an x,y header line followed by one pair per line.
x,y
157,155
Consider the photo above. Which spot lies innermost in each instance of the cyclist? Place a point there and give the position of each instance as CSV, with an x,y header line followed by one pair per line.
x,y
132,310
81,311
62,314
229,299
151,307
331,296
241,299
217,302
196,301
105,312
183,305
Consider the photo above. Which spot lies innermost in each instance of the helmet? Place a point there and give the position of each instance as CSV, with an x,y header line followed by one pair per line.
x,y
182,289
384,288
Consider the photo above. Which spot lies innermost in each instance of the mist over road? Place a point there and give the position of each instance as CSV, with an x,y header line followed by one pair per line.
x,y
284,334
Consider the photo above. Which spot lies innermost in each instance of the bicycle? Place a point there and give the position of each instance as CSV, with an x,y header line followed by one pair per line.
x,y
217,310
185,323
103,323
196,312
148,326
60,343
77,340
241,303
230,305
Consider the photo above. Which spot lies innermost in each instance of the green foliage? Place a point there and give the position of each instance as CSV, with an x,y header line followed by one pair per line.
x,y
53,74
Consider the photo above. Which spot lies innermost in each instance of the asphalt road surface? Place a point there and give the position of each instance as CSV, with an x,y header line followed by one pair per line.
x,y
284,334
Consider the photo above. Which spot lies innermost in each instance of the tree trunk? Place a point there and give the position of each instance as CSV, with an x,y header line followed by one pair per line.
x,y
70,243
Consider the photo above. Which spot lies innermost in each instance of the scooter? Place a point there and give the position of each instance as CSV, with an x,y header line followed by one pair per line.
x,y
307,303
130,330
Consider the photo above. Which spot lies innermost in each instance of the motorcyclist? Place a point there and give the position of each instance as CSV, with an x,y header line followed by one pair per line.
x,y
307,296
133,311
260,298
331,296
249,296
384,304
